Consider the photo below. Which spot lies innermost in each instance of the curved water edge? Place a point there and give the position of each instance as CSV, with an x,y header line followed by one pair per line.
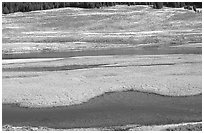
x,y
98,96
110,109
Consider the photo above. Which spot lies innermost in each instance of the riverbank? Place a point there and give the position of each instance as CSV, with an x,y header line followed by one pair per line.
x,y
75,80
197,126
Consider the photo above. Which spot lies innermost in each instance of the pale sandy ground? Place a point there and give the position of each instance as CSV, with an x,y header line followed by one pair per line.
x,y
113,128
175,75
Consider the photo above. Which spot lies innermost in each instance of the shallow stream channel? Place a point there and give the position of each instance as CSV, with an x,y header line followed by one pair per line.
x,y
102,52
110,109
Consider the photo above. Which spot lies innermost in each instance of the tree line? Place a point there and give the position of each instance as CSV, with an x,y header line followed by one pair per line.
x,y
11,7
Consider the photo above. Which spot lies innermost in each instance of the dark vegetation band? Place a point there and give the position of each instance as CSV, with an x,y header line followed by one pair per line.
x,y
11,7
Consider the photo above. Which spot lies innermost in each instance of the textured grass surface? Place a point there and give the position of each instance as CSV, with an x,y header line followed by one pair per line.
x,y
81,29
49,83
69,29
189,127
197,126
53,83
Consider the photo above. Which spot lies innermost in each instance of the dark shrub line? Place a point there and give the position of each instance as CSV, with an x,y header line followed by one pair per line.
x,y
11,7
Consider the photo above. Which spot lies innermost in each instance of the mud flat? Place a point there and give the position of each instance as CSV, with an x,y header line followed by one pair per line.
x,y
110,109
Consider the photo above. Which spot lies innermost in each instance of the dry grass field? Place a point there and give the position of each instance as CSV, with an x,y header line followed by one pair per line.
x,y
63,81
71,29
40,83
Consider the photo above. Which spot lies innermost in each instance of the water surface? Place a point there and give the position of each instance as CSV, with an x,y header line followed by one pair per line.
x,y
117,108
110,51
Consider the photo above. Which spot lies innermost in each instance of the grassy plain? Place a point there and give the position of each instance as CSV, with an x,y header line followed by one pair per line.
x,y
56,82
71,29
67,81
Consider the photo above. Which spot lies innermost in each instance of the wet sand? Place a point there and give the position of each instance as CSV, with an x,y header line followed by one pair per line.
x,y
110,109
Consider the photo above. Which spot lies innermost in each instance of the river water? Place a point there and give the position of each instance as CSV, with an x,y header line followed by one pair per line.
x,y
111,51
110,109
